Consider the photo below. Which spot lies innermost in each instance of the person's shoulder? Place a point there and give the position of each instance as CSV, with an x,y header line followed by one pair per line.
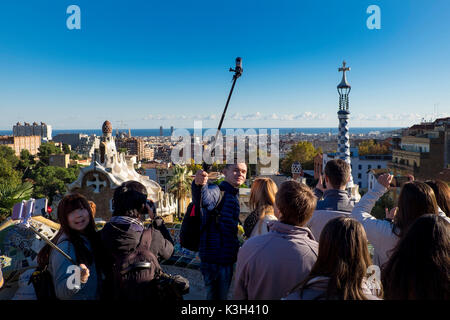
x,y
257,240
63,241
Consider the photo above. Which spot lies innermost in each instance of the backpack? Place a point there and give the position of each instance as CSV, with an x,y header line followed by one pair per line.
x,y
138,276
43,284
191,227
42,281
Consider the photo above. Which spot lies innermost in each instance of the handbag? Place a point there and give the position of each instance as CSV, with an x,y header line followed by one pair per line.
x,y
43,284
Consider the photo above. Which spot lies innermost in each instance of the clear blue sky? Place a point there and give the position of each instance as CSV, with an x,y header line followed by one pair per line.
x,y
152,63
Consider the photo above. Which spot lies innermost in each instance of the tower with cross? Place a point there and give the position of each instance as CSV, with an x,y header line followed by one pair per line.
x,y
343,89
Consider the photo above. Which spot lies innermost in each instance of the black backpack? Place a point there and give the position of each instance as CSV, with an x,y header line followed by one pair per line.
x,y
43,284
191,227
42,281
138,276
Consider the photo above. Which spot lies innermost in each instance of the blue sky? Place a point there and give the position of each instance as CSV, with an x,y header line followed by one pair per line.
x,y
152,63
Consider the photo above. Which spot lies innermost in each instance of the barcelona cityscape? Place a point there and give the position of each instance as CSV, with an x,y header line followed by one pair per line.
x,y
243,152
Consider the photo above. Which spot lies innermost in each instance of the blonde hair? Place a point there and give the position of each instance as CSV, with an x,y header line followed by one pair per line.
x,y
262,197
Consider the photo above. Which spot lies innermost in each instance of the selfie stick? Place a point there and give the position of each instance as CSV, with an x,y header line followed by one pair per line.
x,y
25,221
237,73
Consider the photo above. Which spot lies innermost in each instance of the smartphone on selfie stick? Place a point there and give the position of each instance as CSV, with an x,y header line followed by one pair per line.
x,y
26,209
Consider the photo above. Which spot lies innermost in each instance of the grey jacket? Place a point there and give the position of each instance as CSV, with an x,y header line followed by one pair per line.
x,y
58,267
270,265
320,218
335,203
334,200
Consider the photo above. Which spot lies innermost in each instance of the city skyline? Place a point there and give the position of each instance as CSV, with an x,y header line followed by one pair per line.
x,y
150,64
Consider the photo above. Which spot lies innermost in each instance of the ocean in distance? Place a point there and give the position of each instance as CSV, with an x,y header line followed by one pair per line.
x,y
166,132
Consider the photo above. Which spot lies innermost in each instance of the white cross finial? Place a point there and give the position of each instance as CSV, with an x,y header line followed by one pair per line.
x,y
97,183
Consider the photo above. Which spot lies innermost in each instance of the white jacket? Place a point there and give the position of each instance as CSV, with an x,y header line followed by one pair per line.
x,y
262,224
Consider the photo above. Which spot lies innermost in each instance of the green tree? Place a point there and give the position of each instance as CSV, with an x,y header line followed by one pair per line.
x,y
180,184
8,174
26,164
371,147
11,194
8,163
9,155
385,201
66,148
45,150
303,152
50,180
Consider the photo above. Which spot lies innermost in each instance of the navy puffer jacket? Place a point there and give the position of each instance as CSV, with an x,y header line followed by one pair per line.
x,y
218,242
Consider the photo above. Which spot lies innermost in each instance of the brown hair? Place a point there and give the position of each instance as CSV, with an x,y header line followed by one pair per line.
x,y
442,193
296,203
416,199
338,172
93,207
343,257
67,205
262,197
419,265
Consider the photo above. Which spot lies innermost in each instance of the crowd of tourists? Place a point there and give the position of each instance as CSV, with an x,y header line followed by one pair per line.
x,y
301,243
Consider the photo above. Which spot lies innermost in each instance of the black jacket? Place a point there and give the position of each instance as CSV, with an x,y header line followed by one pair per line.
x,y
120,239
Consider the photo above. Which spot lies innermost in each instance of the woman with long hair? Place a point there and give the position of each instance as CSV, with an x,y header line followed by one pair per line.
x,y
340,272
78,238
419,267
416,199
442,193
262,201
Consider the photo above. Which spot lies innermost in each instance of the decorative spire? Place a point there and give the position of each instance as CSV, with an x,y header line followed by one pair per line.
x,y
343,69
343,88
107,128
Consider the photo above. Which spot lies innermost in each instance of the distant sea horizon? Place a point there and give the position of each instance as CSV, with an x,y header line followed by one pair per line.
x,y
166,132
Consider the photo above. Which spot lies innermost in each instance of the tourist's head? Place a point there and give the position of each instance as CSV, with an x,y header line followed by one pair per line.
x,y
235,173
343,257
262,197
337,174
130,199
75,214
416,199
262,194
442,192
419,265
295,203
75,218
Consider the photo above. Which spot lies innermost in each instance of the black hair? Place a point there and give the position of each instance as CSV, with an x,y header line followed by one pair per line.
x,y
129,199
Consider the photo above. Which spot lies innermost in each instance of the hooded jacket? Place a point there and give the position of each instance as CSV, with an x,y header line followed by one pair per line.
x,y
122,235
271,265
60,269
